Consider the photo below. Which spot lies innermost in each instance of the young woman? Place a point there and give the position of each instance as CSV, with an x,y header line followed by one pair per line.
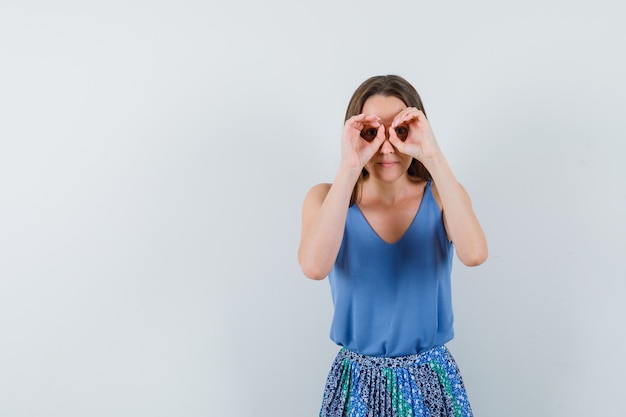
x,y
384,232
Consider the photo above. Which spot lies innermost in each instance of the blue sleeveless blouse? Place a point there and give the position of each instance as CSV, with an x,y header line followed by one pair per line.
x,y
393,299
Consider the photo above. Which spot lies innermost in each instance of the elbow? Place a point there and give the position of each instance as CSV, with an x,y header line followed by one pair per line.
x,y
313,272
312,269
475,258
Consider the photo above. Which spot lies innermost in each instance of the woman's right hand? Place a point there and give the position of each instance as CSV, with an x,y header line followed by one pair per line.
x,y
326,205
355,150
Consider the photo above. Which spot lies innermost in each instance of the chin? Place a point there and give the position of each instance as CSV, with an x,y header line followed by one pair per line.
x,y
389,176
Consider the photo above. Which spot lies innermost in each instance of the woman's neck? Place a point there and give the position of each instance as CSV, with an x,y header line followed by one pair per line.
x,y
388,193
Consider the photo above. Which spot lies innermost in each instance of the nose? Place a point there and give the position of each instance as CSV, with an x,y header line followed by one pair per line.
x,y
386,147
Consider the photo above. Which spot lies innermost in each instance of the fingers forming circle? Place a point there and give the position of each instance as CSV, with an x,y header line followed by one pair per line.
x,y
406,115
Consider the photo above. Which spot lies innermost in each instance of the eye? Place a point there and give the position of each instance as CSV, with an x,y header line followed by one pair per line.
x,y
402,132
369,133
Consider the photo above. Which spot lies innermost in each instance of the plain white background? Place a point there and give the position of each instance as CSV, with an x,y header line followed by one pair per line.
x,y
153,160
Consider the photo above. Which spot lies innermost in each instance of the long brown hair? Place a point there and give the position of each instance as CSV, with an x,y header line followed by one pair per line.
x,y
388,86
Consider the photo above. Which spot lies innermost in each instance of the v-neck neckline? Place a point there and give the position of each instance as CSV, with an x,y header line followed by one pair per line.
x,y
415,216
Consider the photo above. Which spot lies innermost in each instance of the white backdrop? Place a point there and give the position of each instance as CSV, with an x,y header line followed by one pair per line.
x,y
153,160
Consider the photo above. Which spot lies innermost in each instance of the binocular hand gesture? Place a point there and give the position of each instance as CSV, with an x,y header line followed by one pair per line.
x,y
361,139
419,142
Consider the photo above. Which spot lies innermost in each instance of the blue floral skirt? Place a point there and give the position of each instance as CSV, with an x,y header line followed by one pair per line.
x,y
427,384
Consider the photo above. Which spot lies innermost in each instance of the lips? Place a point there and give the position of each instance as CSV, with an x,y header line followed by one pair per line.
x,y
387,164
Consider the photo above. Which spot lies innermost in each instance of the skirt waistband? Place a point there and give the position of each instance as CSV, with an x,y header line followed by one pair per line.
x,y
436,354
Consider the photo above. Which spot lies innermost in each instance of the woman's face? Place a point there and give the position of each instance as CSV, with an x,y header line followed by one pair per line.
x,y
387,164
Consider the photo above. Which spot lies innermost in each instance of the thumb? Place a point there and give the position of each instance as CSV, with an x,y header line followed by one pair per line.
x,y
395,140
380,138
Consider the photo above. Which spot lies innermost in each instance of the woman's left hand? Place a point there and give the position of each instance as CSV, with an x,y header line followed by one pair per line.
x,y
420,142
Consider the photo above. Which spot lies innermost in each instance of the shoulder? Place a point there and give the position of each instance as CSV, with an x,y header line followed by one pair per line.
x,y
317,194
318,191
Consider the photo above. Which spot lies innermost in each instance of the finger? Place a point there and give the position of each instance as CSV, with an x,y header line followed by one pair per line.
x,y
380,137
365,122
395,140
365,118
407,116
382,134
398,143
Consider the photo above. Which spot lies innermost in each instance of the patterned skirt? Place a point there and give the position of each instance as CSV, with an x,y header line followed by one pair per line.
x,y
427,384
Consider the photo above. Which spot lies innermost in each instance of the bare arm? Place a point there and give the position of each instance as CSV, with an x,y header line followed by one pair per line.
x,y
326,206
323,220
461,223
